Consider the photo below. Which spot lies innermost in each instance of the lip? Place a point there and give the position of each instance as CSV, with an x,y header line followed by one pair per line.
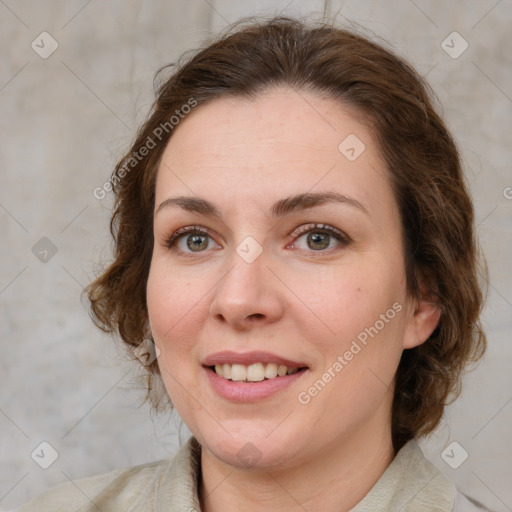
x,y
247,358
244,392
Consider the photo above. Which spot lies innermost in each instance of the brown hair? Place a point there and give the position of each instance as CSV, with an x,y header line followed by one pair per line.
x,y
424,169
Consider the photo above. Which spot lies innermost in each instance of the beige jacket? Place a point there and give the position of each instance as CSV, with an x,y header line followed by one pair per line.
x,y
410,484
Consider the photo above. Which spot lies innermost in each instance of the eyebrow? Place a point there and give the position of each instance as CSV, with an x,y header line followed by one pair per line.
x,y
279,208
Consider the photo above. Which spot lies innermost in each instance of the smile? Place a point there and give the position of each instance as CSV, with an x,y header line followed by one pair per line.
x,y
245,377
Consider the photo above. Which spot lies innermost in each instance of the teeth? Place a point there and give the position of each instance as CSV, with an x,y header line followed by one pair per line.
x,y
271,370
238,372
226,371
254,372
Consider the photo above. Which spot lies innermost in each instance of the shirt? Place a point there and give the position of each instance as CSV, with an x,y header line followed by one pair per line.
x,y
411,483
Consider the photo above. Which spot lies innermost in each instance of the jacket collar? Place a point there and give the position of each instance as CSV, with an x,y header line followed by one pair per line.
x,y
411,483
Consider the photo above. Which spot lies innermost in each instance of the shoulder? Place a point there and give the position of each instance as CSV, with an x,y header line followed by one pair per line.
x,y
164,485
117,490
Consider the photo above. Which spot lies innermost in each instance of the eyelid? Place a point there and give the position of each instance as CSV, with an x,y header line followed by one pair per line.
x,y
170,240
313,226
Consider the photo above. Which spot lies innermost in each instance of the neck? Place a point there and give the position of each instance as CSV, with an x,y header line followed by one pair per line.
x,y
335,479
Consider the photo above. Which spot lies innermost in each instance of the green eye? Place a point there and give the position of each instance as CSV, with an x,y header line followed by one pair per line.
x,y
190,239
197,243
318,241
318,238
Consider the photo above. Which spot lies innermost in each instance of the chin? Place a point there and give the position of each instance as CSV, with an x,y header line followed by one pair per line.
x,y
250,447
253,455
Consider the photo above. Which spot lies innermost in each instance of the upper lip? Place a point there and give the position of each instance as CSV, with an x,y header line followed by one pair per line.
x,y
247,358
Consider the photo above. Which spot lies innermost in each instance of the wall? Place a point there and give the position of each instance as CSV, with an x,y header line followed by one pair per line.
x,y
68,117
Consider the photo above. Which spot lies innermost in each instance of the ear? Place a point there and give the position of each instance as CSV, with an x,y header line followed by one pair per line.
x,y
424,315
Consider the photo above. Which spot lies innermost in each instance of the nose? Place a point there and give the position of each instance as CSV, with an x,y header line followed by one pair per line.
x,y
249,294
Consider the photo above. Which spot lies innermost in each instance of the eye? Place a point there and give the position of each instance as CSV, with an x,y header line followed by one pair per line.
x,y
190,239
318,238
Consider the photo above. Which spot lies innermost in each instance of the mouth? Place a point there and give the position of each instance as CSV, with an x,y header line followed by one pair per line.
x,y
258,372
255,372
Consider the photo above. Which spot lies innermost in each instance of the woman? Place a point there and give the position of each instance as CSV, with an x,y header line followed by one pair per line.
x,y
296,263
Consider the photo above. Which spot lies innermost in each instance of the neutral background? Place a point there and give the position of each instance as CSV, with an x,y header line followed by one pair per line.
x,y
67,118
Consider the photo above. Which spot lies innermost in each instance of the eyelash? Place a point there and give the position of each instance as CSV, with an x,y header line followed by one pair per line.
x,y
314,227
188,230
343,239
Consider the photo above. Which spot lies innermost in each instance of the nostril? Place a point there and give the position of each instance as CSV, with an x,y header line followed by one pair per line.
x,y
257,315
221,317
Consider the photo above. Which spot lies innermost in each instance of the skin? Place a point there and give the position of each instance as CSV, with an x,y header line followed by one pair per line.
x,y
295,300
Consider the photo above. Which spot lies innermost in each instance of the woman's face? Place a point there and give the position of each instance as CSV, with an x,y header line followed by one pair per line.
x,y
278,249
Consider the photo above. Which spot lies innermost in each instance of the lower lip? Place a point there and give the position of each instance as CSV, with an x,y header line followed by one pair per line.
x,y
250,391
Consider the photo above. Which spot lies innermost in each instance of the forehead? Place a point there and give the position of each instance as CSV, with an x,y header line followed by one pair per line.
x,y
282,141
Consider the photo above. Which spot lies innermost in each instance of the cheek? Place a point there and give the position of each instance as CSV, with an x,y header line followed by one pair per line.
x,y
361,312
346,300
172,306
173,311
